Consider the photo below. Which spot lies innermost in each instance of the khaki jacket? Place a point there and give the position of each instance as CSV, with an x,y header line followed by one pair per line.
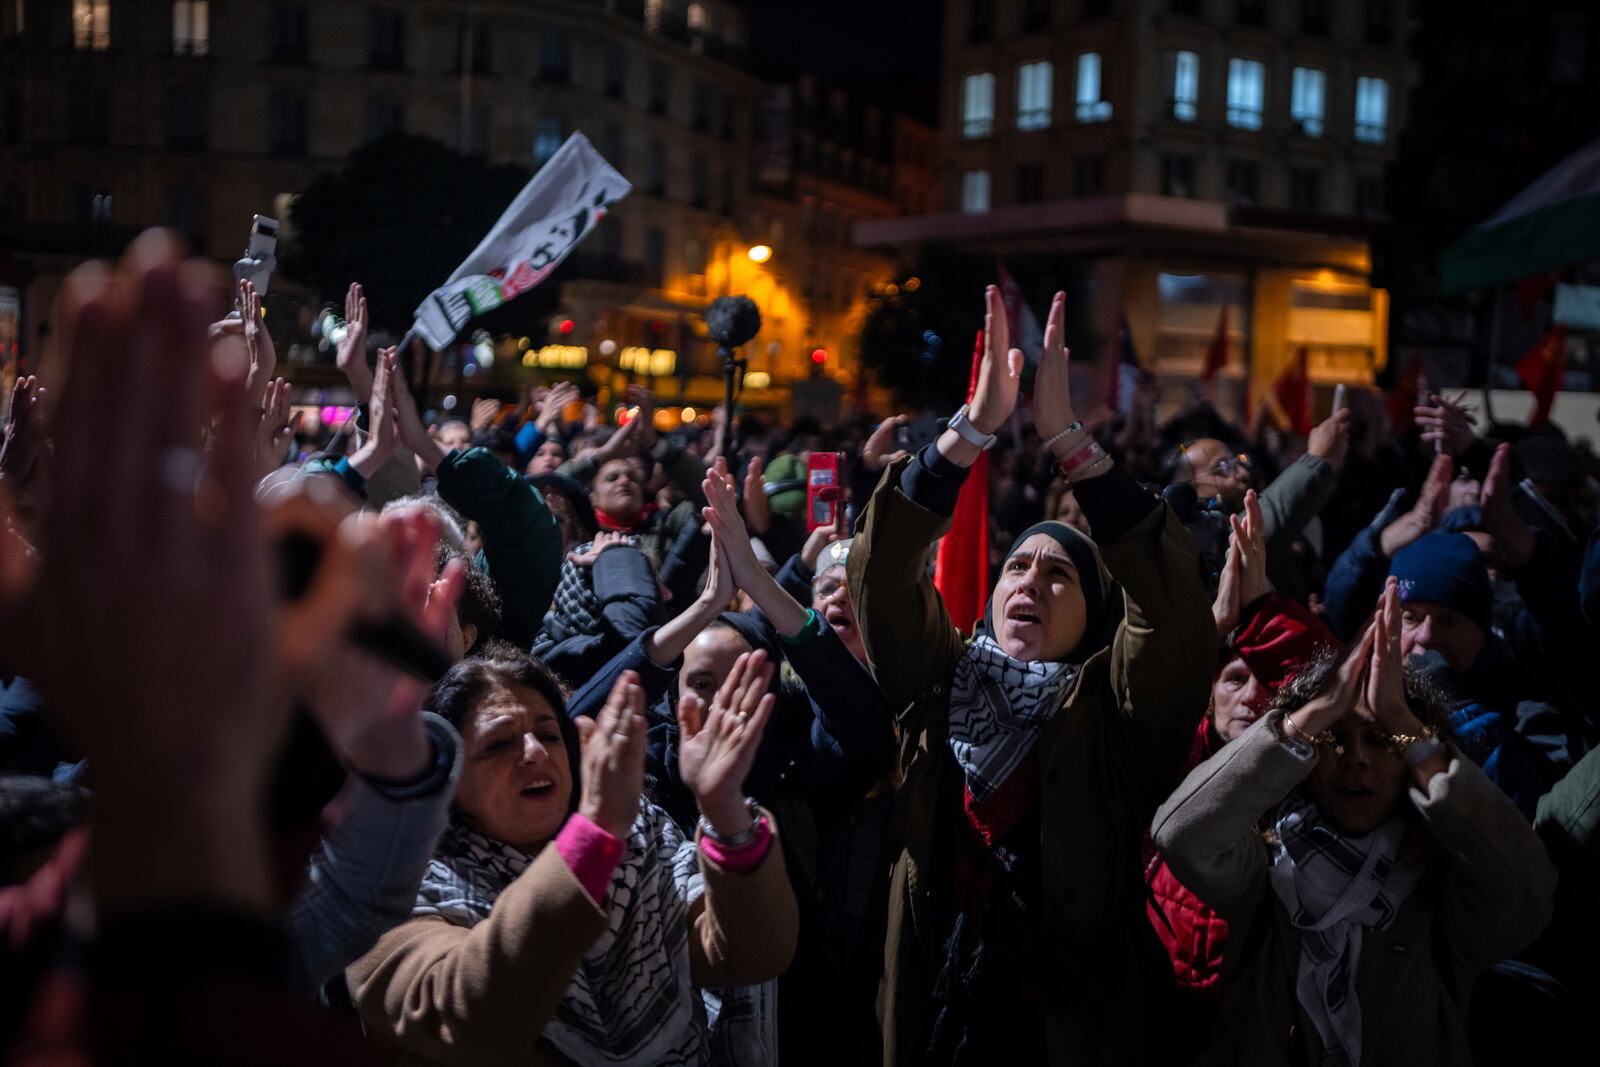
x,y
1486,894
446,994
1110,754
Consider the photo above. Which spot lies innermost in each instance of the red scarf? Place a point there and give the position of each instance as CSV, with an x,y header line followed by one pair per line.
x,y
609,522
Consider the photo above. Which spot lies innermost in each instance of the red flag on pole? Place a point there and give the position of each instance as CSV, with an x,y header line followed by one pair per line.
x,y
1217,354
961,573
1542,369
1292,392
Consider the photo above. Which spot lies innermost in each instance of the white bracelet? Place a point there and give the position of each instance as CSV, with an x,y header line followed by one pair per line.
x,y
1076,427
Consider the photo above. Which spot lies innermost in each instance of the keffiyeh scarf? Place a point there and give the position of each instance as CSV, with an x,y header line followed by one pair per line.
x,y
574,611
1334,888
998,706
631,1001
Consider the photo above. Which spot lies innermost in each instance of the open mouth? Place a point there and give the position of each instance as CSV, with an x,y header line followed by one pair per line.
x,y
542,788
838,620
1025,616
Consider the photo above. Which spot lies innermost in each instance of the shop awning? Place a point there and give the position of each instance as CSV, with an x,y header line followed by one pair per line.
x,y
1550,224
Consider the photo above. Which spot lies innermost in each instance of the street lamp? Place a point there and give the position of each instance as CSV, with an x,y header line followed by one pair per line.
x,y
759,253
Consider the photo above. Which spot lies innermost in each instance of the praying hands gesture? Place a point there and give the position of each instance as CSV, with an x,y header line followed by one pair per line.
x,y
351,354
26,433
722,512
1424,514
1385,693
1244,575
274,427
613,758
719,744
383,423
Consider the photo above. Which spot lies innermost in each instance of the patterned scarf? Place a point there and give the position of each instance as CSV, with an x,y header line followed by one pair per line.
x,y
998,706
1334,888
574,611
631,1001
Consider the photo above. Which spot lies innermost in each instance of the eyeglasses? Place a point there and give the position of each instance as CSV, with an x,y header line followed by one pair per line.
x,y
1229,465
827,587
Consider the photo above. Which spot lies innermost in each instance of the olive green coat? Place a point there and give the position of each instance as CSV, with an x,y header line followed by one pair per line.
x,y
1106,760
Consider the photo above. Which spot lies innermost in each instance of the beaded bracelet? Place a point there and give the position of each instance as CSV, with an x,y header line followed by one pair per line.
x,y
1076,426
1091,469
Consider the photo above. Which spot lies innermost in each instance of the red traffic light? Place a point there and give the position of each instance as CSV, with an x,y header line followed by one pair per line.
x,y
819,356
567,325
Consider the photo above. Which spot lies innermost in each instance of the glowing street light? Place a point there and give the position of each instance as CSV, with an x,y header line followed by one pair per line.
x,y
759,253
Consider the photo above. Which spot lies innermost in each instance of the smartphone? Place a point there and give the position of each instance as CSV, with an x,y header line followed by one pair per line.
x,y
260,256
823,482
1338,397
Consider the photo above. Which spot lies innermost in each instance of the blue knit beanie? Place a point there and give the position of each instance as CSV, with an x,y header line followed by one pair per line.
x,y
1445,568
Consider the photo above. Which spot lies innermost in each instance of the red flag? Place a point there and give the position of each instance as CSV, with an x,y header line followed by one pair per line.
x,y
1217,354
1542,369
962,571
1026,333
1292,392
1403,397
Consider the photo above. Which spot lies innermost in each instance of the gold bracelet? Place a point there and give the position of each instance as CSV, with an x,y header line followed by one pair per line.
x,y
1398,743
1291,729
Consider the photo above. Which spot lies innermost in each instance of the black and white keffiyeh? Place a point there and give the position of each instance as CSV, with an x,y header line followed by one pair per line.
x,y
1334,888
574,610
631,1001
998,706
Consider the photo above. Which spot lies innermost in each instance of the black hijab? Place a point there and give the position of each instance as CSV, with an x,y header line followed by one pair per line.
x,y
1100,620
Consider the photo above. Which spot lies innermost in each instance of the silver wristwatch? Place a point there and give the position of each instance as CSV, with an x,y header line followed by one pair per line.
x,y
970,433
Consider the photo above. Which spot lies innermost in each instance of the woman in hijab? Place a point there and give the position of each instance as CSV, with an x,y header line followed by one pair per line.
x,y
1034,753
562,921
1362,913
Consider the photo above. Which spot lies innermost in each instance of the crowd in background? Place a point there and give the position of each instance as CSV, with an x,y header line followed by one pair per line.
x,y
543,736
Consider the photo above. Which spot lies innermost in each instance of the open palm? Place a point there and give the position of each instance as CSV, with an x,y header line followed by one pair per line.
x,y
718,744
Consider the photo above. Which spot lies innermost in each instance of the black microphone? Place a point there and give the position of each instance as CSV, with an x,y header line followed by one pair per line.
x,y
396,640
732,320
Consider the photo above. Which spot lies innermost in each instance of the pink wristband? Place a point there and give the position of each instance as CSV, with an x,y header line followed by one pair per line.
x,y
592,853
1082,458
744,859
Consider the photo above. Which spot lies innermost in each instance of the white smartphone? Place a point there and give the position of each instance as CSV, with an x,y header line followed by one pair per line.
x,y
1338,397
259,255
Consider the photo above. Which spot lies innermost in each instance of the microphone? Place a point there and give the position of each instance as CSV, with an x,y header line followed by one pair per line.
x,y
732,320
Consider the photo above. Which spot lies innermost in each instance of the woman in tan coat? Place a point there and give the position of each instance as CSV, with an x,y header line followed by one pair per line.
x,y
561,921
1361,914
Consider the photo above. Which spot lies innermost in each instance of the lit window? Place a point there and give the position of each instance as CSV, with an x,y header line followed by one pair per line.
x,y
191,27
1090,107
91,25
546,140
975,192
1033,95
977,105
1372,109
1306,100
1246,91
1183,85
697,17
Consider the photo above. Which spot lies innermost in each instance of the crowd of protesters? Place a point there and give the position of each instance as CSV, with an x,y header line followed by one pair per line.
x,y
524,739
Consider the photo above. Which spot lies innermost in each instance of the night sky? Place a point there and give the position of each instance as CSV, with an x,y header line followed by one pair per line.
x,y
886,50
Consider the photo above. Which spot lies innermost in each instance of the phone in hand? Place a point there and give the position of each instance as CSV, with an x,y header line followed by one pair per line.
x,y
260,256
824,489
1338,397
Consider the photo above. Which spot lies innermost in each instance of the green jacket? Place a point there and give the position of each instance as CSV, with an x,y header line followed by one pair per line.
x,y
521,542
1110,755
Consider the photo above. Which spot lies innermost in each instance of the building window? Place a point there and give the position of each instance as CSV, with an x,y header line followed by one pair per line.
x,y
1246,91
1378,27
975,192
1244,181
1177,174
382,115
1250,12
1372,109
386,32
977,105
1030,182
1090,107
186,119
1305,189
1035,15
697,18
980,21
1034,86
88,114
616,64
1369,195
655,254
656,168
472,46
1314,16
555,57
1306,100
547,138
1183,85
91,25
191,27
699,183
700,113
290,33
660,88
1089,175
286,124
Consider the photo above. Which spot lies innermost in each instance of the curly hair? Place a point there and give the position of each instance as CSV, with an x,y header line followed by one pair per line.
x,y
1423,696
480,603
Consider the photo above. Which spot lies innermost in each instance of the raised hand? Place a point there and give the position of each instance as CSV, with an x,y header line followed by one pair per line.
x,y
274,427
1340,691
820,538
555,401
613,758
1252,534
26,433
257,343
1513,538
350,355
1000,373
757,508
879,451
1424,515
718,744
1385,692
1052,388
484,411
1229,600
383,419
1330,438
722,512
603,540
1446,423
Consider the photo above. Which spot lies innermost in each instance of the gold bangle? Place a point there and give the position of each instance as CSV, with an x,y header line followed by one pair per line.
x,y
1291,729
1398,743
